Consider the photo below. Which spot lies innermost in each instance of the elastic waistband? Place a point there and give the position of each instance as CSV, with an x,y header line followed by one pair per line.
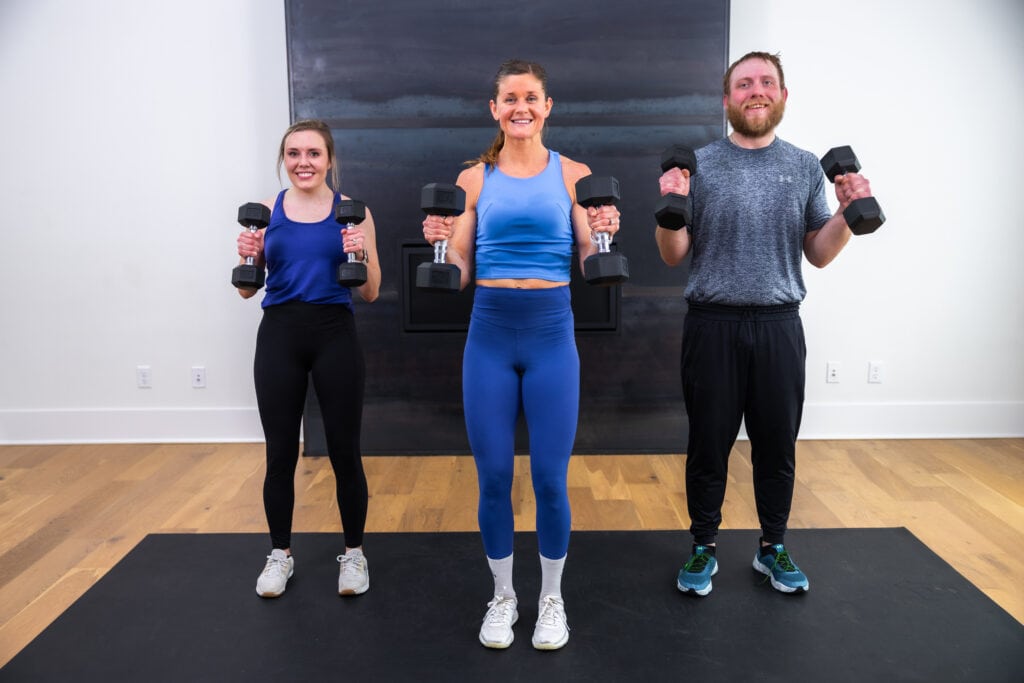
x,y
722,312
522,307
305,313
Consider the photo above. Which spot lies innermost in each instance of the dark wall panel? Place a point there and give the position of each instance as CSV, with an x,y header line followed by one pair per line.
x,y
405,87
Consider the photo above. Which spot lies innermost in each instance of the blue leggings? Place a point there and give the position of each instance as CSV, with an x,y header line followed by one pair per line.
x,y
521,355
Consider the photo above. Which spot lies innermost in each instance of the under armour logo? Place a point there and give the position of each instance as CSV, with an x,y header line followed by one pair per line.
x,y
785,178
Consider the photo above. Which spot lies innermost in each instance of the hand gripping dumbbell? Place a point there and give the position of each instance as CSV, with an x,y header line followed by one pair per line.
x,y
605,267
248,275
675,211
863,215
439,199
351,271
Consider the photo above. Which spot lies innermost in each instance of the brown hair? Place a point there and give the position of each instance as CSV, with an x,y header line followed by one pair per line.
x,y
325,132
775,60
510,67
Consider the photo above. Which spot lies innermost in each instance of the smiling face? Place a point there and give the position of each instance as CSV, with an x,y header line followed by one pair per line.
x,y
521,106
306,159
756,100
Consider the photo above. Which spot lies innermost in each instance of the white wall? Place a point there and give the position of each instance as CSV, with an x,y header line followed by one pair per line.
x,y
130,132
928,94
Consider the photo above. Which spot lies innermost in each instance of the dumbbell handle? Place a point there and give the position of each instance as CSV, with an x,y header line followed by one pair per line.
x,y
603,241
351,255
440,251
251,260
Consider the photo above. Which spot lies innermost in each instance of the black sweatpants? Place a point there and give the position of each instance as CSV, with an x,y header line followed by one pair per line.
x,y
296,340
742,363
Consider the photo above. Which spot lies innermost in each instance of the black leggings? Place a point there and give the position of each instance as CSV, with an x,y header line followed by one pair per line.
x,y
742,363
294,341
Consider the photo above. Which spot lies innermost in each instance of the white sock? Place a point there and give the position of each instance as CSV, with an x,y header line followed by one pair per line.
x,y
501,570
353,551
551,576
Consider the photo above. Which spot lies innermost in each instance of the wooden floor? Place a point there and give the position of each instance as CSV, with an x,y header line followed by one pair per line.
x,y
69,513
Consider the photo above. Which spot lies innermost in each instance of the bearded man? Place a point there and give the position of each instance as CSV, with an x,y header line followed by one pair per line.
x,y
758,208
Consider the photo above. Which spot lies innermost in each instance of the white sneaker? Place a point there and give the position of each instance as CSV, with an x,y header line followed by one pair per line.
x,y
275,575
496,631
551,632
353,575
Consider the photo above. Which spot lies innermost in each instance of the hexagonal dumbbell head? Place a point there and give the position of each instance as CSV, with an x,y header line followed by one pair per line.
x,y
675,211
604,268
254,215
350,212
839,161
864,216
248,275
680,157
597,191
442,199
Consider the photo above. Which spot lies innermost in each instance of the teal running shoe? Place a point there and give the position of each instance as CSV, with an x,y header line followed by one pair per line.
x,y
695,576
775,563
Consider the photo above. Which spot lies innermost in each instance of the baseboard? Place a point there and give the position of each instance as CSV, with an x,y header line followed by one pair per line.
x,y
945,420
938,420
119,425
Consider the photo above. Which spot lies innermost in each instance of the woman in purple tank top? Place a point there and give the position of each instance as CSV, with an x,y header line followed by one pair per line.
x,y
308,329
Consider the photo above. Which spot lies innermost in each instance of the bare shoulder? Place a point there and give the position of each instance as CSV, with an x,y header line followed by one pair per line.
x,y
471,180
471,177
573,170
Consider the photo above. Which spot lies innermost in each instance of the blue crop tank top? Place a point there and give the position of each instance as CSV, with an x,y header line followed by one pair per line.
x,y
524,225
302,259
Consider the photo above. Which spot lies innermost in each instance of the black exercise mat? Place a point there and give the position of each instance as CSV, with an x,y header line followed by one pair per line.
x,y
183,607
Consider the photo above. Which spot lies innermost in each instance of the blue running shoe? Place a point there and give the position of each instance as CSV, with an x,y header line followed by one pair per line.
x,y
775,563
695,576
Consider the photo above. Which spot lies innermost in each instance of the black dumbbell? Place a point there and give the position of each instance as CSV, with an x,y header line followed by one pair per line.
x,y
604,267
675,211
248,275
351,271
863,215
439,199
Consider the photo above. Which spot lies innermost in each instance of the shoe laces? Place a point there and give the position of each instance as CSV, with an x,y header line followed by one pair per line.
x,y
276,564
552,612
352,565
782,560
697,562
499,610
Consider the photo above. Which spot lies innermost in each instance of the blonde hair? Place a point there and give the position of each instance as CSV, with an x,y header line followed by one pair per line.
x,y
324,130
510,67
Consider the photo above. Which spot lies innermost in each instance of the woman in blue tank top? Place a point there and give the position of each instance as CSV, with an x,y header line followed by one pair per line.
x,y
307,329
517,234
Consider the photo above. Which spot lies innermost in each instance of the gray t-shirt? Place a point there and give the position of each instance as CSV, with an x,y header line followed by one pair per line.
x,y
751,211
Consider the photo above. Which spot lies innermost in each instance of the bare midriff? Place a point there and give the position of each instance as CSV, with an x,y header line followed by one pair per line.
x,y
520,283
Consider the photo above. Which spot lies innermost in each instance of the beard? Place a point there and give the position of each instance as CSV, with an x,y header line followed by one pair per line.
x,y
755,129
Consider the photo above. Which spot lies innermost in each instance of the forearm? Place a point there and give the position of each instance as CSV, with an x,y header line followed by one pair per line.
x,y
370,290
463,263
823,245
673,245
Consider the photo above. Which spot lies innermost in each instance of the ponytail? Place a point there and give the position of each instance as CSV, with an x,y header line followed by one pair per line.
x,y
490,157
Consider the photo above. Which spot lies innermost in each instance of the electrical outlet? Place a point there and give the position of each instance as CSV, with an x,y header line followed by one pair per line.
x,y
833,370
143,377
198,377
875,371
